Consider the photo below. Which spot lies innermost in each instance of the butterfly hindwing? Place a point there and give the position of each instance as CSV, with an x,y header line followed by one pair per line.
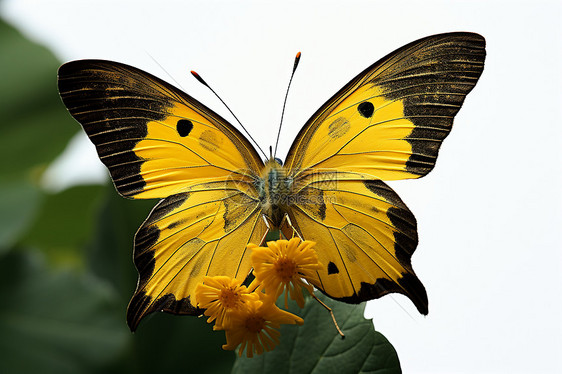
x,y
389,121
155,140
188,236
365,236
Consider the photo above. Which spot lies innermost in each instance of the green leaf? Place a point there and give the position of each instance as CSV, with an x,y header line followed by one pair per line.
x,y
316,347
55,321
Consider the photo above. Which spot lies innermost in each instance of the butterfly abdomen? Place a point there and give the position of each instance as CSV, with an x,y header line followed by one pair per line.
x,y
274,189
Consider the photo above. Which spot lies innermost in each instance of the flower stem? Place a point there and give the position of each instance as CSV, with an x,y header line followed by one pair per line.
x,y
331,314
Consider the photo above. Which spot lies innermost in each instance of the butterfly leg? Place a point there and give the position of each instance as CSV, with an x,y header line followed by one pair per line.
x,y
264,217
287,220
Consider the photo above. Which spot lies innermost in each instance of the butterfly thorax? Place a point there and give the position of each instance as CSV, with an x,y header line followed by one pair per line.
x,y
274,188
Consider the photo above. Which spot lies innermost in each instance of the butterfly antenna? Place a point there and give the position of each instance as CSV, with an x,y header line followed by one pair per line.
x,y
297,58
198,77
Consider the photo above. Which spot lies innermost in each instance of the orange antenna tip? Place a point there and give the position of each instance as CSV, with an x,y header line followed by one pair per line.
x,y
198,77
297,58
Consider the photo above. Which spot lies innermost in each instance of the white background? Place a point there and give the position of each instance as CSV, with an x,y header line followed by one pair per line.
x,y
489,215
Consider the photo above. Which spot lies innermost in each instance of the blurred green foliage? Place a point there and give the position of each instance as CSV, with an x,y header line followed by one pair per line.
x,y
66,270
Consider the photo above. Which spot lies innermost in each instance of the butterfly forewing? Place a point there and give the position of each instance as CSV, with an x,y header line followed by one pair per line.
x,y
155,140
389,121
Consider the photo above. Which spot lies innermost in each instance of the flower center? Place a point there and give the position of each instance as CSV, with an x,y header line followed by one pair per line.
x,y
229,298
255,323
286,268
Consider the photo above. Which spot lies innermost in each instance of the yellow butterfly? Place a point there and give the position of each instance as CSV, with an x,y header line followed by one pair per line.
x,y
217,193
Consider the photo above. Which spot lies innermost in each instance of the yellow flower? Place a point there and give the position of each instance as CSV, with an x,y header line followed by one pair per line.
x,y
220,295
282,266
255,328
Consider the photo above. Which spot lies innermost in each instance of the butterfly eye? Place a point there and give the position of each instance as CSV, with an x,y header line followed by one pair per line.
x,y
366,109
279,161
184,127
332,268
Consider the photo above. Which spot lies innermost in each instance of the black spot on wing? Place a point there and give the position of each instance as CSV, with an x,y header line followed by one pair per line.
x,y
332,268
184,127
366,109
